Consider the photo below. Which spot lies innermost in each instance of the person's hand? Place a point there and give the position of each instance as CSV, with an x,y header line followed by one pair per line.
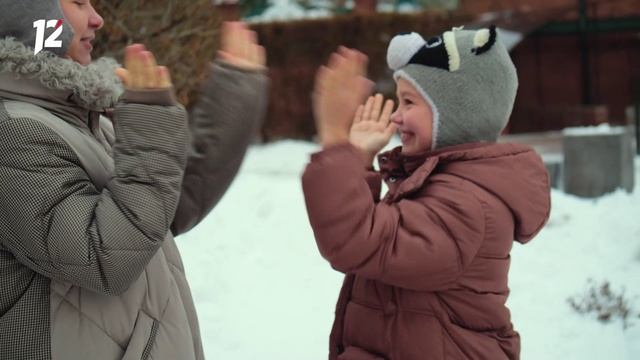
x,y
371,129
141,71
340,87
239,47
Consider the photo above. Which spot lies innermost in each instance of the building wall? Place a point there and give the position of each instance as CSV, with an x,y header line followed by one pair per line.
x,y
550,66
551,82
596,8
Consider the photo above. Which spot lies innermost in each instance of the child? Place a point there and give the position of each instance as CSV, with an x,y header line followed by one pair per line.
x,y
426,265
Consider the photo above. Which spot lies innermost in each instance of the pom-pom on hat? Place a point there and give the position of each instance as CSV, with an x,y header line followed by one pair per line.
x,y
467,77
18,17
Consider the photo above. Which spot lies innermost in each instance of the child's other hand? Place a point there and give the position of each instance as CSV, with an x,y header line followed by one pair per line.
x,y
141,70
340,87
239,47
371,129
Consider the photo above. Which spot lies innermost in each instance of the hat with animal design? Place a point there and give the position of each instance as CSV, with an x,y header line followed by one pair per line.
x,y
467,77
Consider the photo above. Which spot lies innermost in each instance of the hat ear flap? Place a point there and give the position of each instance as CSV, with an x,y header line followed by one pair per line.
x,y
484,40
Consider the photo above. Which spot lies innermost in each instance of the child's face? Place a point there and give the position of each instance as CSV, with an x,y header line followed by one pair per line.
x,y
414,119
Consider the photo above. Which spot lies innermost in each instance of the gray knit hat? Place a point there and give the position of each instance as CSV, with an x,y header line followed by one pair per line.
x,y
466,76
17,20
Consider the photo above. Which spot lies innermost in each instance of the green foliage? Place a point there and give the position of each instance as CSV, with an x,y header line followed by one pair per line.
x,y
253,7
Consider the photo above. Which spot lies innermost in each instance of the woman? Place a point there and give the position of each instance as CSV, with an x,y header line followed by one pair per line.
x,y
88,265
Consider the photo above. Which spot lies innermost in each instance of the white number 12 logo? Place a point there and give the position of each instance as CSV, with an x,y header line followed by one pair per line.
x,y
52,41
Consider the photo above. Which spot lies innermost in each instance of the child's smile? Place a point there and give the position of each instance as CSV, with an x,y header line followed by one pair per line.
x,y
414,119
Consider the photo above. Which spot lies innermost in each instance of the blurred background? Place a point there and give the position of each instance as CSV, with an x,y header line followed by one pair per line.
x,y
263,291
575,58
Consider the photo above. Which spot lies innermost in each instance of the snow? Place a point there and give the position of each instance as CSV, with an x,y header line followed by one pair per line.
x,y
402,8
263,291
602,129
287,10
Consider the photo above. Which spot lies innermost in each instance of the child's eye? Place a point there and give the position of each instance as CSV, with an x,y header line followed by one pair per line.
x,y
408,102
79,3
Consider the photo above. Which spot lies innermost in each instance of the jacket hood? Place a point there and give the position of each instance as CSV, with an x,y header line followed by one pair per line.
x,y
513,173
92,87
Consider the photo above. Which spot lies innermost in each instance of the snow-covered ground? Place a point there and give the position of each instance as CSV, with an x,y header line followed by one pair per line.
x,y
263,291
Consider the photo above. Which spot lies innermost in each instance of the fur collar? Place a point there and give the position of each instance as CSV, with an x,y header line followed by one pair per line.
x,y
93,87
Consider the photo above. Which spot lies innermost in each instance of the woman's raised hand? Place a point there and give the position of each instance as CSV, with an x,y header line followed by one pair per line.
x,y
141,70
239,47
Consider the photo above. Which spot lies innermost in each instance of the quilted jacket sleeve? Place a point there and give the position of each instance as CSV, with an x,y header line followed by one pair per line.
x,y
419,243
57,223
223,123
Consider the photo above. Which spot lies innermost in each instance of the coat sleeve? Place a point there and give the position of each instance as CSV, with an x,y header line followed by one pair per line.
x,y
57,223
223,123
422,243
374,181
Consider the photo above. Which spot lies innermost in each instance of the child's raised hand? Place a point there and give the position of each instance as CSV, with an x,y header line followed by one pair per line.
x,y
371,129
239,47
141,70
340,87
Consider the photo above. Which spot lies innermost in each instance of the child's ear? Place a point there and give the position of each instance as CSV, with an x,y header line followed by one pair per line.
x,y
484,40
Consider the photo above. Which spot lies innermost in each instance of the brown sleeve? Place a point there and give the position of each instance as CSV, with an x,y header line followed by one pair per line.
x,y
420,244
223,123
374,180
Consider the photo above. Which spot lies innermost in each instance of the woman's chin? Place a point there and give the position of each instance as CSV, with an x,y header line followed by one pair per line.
x,y
81,57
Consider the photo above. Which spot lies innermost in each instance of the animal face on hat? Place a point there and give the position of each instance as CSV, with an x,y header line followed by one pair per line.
x,y
467,77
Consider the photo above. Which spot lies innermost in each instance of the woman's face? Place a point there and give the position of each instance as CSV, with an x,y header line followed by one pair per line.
x,y
85,21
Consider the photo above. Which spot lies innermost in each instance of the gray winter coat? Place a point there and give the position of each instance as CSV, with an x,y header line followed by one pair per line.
x,y
88,267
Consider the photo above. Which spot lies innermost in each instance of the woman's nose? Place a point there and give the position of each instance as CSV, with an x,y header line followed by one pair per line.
x,y
95,20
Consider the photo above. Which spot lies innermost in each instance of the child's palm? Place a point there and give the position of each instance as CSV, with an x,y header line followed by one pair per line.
x,y
371,129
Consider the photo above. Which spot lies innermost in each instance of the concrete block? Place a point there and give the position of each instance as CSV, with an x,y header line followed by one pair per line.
x,y
553,163
597,160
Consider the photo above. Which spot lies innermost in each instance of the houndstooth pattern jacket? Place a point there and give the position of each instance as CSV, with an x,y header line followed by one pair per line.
x,y
89,268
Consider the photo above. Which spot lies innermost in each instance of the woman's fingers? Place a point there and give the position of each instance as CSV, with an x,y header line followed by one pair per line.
x,y
135,65
239,46
141,70
164,77
228,39
250,39
124,76
150,78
